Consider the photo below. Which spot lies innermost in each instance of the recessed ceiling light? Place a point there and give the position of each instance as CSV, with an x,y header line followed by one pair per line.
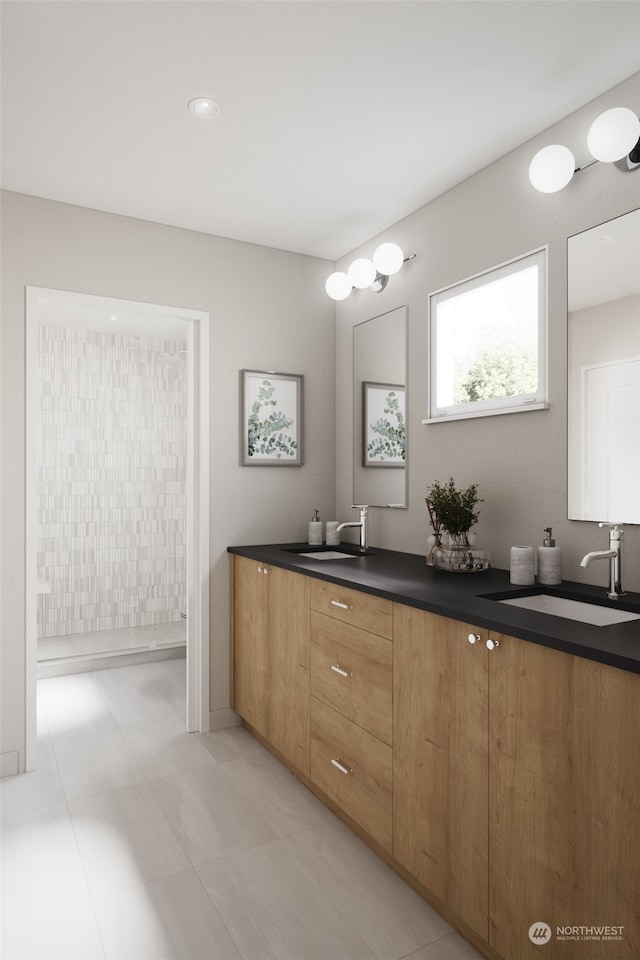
x,y
204,109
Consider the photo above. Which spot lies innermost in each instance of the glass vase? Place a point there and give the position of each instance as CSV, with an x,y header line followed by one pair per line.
x,y
457,555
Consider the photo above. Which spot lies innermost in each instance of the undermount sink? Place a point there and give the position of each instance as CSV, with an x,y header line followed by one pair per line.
x,y
326,553
593,613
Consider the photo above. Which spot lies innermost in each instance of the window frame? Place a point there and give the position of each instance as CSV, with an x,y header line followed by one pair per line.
x,y
538,400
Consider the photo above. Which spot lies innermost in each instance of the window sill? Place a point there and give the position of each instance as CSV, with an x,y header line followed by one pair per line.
x,y
523,408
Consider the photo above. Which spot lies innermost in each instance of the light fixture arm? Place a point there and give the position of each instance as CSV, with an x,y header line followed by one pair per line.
x,y
584,166
382,279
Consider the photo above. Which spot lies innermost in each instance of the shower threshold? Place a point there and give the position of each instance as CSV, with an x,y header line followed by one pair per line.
x,y
86,663
99,650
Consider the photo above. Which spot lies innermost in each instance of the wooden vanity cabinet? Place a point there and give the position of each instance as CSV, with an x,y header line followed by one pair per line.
x,y
504,776
517,786
441,768
251,590
271,655
564,803
351,704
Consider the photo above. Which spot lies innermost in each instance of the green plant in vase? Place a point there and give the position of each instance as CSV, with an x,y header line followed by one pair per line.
x,y
454,512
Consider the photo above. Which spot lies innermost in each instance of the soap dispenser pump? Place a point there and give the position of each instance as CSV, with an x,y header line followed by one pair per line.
x,y
549,560
315,530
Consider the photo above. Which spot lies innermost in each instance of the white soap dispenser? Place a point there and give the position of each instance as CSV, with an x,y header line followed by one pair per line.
x,y
315,530
549,560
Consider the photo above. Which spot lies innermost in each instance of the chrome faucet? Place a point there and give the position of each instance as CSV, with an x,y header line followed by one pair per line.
x,y
614,554
362,523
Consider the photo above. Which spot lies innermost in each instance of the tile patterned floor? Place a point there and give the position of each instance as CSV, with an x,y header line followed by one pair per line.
x,y
135,840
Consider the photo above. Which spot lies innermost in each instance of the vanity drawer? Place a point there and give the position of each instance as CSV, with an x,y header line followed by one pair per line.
x,y
352,671
354,768
352,606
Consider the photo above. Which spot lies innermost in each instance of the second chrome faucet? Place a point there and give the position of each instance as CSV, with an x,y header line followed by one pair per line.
x,y
614,555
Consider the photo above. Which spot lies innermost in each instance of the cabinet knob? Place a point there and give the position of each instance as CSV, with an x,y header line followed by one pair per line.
x,y
474,638
341,767
492,644
263,570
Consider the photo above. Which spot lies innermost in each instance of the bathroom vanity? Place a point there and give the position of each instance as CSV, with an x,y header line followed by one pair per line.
x,y
488,752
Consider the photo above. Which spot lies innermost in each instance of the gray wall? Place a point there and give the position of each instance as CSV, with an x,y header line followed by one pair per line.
x,y
268,310
519,460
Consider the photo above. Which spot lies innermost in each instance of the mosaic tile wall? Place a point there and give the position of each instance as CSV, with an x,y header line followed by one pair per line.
x,y
112,493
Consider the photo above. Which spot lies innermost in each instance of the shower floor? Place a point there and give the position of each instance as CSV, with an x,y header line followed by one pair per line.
x,y
79,652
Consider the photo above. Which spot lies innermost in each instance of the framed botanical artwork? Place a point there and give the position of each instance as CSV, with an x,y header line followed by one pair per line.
x,y
383,425
271,429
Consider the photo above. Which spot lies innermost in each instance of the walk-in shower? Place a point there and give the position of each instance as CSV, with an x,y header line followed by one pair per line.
x,y
178,360
111,497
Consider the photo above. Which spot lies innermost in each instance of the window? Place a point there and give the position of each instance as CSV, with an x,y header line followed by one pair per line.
x,y
488,342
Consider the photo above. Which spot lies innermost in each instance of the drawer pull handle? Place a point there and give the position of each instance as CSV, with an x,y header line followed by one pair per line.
x,y
338,669
341,767
343,606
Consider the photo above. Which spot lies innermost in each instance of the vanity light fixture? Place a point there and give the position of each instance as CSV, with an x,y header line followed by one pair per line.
x,y
613,136
387,259
204,108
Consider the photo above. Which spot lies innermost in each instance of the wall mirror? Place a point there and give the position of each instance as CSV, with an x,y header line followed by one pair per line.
x,y
604,372
379,427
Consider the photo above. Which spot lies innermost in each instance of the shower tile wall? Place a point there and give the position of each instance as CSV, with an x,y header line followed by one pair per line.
x,y
112,493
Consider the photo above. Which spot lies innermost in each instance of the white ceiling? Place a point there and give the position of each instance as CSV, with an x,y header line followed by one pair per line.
x,y
339,118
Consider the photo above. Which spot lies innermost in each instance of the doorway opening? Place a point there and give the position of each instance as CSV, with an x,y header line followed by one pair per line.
x,y
117,490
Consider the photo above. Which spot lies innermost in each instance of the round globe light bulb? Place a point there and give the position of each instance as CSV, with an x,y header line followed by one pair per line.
x,y
388,258
361,273
552,168
338,286
613,134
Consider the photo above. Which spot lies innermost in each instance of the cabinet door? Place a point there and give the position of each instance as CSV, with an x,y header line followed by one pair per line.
x,y
564,803
289,642
441,760
250,654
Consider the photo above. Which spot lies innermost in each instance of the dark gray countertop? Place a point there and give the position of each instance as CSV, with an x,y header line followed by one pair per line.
x,y
405,578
